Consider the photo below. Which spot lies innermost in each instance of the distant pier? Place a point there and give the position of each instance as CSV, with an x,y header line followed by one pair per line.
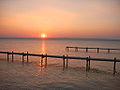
x,y
88,48
65,58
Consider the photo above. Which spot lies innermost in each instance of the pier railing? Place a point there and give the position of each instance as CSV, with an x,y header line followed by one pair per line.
x,y
64,57
97,49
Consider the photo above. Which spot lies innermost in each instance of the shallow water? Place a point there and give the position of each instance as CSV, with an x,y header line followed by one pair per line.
x,y
31,76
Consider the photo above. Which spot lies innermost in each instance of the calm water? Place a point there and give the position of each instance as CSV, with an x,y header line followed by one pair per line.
x,y
53,77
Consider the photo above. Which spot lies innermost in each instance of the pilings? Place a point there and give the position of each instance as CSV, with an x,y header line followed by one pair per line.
x,y
86,48
43,58
114,66
7,56
65,62
23,57
27,57
88,63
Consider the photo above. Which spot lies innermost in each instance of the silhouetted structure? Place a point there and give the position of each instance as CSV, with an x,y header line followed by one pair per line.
x,y
86,48
64,57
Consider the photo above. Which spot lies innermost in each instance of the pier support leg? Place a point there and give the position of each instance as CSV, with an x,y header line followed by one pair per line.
x,y
108,50
114,67
7,56
46,61
66,61
86,49
87,64
67,49
27,57
42,61
12,56
76,49
97,50
23,58
63,62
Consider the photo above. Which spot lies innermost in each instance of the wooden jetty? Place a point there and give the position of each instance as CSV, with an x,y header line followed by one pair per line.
x,y
87,48
64,57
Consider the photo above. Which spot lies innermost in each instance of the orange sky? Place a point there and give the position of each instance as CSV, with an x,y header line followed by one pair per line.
x,y
60,18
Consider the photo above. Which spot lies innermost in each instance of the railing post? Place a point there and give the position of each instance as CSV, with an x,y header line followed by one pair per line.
x,y
12,56
114,67
76,49
87,49
66,61
108,50
27,56
63,62
87,64
7,56
42,60
67,48
45,60
23,57
97,50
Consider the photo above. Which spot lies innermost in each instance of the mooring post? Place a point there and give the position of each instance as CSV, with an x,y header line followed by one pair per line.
x,y
42,60
7,56
27,56
76,49
87,49
23,57
67,48
45,60
87,64
12,56
114,67
66,61
108,50
63,62
97,50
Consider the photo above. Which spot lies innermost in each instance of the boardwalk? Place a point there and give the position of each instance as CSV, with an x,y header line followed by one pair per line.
x,y
64,57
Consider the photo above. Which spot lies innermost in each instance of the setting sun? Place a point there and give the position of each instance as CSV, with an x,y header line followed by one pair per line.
x,y
43,36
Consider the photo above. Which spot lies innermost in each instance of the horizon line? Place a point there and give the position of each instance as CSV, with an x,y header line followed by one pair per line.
x,y
61,38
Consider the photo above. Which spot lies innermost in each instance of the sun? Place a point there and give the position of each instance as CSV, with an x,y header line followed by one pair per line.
x,y
43,35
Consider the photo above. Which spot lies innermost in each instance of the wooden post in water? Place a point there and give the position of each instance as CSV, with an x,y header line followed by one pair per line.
x,y
67,48
27,56
89,63
7,56
87,49
12,56
63,62
66,61
108,50
42,60
114,67
46,61
23,57
76,49
97,50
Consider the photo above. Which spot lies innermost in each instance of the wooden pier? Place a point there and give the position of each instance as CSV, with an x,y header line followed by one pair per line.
x,y
64,57
97,49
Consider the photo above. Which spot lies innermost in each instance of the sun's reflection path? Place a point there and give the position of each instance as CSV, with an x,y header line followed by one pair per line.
x,y
42,61
43,47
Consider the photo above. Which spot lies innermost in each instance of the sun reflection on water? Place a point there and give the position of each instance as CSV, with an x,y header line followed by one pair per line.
x,y
43,47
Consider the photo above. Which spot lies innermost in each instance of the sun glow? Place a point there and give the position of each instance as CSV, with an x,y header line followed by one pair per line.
x,y
43,36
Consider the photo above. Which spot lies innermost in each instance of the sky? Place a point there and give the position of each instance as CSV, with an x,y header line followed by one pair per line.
x,y
60,18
